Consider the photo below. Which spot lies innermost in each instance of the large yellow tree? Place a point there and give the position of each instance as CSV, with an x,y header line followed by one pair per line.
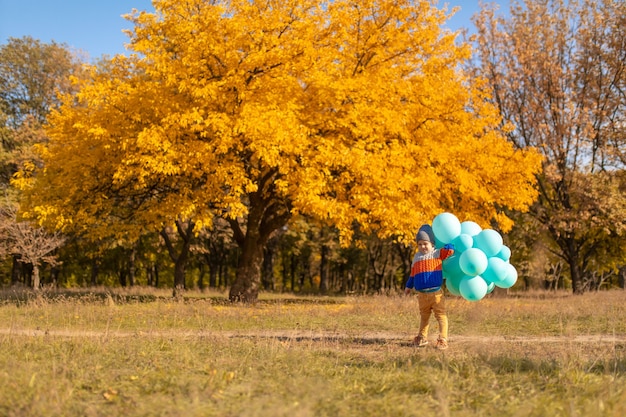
x,y
356,112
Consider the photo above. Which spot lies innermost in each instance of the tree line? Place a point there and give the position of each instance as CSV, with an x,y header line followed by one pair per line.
x,y
278,164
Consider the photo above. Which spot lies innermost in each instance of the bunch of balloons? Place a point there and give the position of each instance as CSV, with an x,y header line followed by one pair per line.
x,y
480,261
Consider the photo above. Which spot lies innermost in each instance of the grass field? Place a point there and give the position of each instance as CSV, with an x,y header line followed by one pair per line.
x,y
141,353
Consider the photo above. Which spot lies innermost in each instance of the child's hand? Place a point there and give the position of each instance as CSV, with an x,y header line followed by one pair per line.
x,y
407,291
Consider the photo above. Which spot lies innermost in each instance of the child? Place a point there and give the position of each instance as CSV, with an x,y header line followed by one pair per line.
x,y
427,278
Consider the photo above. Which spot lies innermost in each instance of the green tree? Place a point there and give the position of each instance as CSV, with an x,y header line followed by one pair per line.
x,y
558,74
31,75
349,111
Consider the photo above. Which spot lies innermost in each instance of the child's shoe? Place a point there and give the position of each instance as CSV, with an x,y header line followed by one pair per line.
x,y
420,341
442,344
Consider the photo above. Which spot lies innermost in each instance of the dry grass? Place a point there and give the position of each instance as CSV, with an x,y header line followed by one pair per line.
x,y
142,353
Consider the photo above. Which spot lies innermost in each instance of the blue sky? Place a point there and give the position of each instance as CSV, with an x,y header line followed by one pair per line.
x,y
95,26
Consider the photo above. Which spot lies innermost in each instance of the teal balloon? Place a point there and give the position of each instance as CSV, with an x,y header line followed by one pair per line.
x,y
489,241
505,253
473,262
496,271
510,279
473,288
438,243
452,284
462,243
490,287
451,268
446,227
470,228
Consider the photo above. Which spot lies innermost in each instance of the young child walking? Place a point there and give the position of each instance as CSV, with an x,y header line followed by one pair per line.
x,y
427,279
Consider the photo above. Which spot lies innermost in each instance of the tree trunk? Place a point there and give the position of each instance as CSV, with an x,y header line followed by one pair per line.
x,y
180,267
343,275
185,231
324,269
201,274
292,271
54,276
222,276
149,277
36,281
248,277
15,270
574,267
284,272
213,270
267,270
132,268
94,272
123,273
265,216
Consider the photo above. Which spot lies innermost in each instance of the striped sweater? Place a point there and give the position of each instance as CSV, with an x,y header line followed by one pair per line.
x,y
426,274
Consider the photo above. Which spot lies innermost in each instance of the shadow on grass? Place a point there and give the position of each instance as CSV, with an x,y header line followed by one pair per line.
x,y
22,296
329,339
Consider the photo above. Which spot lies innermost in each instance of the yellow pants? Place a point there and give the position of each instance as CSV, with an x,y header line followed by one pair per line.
x,y
433,302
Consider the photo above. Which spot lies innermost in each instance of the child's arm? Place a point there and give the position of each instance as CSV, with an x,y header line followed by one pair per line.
x,y
446,251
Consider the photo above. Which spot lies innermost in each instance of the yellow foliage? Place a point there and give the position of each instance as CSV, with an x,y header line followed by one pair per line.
x,y
348,110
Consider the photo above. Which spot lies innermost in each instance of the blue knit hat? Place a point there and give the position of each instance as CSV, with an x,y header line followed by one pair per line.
x,y
425,233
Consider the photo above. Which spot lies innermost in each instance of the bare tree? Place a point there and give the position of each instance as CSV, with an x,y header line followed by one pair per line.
x,y
30,244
